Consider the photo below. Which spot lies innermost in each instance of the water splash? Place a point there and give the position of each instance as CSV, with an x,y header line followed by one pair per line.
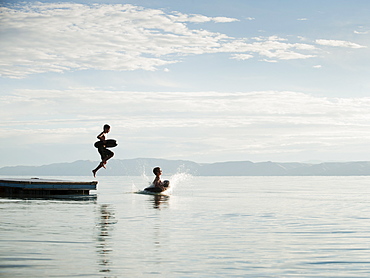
x,y
144,176
134,187
145,180
180,179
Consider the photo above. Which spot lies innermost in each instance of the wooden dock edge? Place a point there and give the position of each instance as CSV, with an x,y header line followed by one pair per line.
x,y
42,188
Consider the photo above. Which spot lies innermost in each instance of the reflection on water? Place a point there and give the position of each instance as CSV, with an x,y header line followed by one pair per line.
x,y
160,201
105,221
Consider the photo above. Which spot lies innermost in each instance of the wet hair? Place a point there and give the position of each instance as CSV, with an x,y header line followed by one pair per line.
x,y
166,183
106,127
156,170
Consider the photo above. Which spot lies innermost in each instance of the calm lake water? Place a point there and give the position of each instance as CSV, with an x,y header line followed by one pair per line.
x,y
208,227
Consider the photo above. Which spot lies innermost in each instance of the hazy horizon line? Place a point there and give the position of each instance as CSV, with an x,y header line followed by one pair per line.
x,y
200,163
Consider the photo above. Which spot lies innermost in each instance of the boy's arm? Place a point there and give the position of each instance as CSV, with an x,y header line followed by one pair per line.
x,y
101,137
157,182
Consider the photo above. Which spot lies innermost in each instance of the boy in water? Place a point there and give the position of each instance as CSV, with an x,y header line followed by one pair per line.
x,y
158,185
105,154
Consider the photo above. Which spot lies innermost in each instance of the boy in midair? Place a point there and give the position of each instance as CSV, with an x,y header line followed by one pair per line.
x,y
105,154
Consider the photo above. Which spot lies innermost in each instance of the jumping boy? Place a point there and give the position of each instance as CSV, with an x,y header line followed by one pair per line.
x,y
105,154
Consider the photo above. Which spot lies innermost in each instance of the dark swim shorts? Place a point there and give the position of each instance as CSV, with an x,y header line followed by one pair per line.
x,y
104,153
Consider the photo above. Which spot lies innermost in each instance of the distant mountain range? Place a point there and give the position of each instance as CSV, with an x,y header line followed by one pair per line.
x,y
140,166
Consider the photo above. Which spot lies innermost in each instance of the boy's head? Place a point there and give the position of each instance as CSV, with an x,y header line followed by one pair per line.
x,y
106,128
157,171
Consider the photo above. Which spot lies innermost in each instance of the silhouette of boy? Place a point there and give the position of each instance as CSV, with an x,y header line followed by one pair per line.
x,y
105,154
157,185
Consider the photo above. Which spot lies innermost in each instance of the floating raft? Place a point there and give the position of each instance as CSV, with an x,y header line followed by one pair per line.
x,y
44,187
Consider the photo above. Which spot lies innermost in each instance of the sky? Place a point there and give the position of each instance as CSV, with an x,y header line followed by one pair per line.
x,y
206,80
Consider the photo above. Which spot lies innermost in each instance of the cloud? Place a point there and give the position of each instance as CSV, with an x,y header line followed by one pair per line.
x,y
272,47
339,43
202,125
269,61
221,19
59,37
196,18
224,110
361,32
241,56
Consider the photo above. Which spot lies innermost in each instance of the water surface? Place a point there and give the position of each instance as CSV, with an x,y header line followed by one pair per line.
x,y
208,227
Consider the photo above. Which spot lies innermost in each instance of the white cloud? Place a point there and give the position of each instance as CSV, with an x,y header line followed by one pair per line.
x,y
222,19
201,124
269,61
273,48
276,38
339,43
317,66
58,37
206,108
241,56
196,18
361,32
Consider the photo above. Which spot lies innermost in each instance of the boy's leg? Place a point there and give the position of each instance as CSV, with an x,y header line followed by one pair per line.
x,y
97,168
105,155
109,155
